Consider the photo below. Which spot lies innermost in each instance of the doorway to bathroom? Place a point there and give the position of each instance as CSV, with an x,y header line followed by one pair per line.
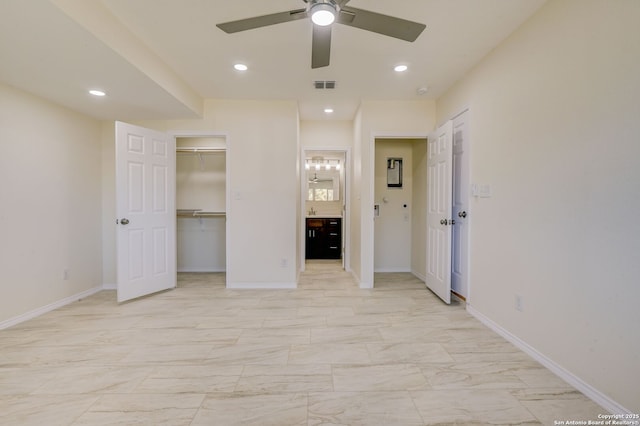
x,y
324,200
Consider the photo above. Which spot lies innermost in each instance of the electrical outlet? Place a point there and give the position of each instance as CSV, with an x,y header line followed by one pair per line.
x,y
65,274
518,303
283,263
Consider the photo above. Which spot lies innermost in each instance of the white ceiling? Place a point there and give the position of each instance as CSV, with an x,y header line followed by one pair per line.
x,y
45,51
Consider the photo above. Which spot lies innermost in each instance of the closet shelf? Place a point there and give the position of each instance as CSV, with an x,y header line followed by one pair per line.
x,y
198,213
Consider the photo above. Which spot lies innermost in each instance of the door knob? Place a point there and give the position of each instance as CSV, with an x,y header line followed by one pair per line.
x,y
462,214
443,221
124,221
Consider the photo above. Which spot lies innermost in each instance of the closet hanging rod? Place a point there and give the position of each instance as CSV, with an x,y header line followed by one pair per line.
x,y
198,213
199,150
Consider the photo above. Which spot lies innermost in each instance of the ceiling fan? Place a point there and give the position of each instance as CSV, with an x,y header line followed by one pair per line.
x,y
315,179
325,12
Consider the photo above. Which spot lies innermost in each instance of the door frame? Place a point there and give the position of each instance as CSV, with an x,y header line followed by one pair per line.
x,y
228,207
346,223
367,213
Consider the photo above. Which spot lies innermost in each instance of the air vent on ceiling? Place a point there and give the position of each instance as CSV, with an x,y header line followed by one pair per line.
x,y
324,84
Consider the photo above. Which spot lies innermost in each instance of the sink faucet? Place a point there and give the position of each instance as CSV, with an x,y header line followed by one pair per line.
x,y
312,212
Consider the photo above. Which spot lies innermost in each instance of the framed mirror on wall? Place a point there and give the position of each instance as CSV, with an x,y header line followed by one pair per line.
x,y
394,172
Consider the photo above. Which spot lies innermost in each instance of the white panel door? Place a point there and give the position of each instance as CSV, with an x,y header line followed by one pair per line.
x,y
460,243
439,187
146,222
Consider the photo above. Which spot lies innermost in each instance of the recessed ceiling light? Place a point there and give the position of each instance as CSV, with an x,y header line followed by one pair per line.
x,y
328,110
400,68
96,92
241,67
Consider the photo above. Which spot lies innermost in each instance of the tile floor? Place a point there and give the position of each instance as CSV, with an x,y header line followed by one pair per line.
x,y
327,353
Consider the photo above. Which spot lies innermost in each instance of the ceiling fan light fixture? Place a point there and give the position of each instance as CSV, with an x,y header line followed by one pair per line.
x,y
323,14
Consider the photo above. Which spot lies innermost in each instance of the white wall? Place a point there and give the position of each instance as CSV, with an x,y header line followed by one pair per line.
x,y
50,193
326,134
379,119
392,250
555,122
264,179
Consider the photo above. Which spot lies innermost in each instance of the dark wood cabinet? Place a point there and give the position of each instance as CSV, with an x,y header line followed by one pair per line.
x,y
324,238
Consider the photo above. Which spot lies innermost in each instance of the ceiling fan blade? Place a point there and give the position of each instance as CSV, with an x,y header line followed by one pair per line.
x,y
381,24
321,46
262,21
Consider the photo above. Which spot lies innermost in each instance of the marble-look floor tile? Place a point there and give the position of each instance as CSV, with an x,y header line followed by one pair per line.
x,y
408,353
479,375
269,335
362,408
142,409
97,380
191,379
325,353
385,377
24,380
550,410
259,410
465,406
329,353
37,410
168,354
285,378
248,354
414,334
345,335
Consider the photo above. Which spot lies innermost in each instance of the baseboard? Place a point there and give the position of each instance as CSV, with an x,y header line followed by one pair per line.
x,y
48,308
261,286
595,395
419,276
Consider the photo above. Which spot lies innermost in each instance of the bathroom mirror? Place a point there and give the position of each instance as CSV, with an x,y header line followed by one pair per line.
x,y
323,185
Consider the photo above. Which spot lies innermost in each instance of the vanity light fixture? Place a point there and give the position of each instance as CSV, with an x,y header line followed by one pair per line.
x,y
320,163
96,92
328,110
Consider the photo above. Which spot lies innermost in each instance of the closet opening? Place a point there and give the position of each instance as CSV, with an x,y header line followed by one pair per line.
x,y
399,205
201,203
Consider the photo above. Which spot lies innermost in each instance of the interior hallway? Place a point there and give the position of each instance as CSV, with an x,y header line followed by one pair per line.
x,y
325,353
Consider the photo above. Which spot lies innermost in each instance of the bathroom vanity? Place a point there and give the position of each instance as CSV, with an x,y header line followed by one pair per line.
x,y
324,238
